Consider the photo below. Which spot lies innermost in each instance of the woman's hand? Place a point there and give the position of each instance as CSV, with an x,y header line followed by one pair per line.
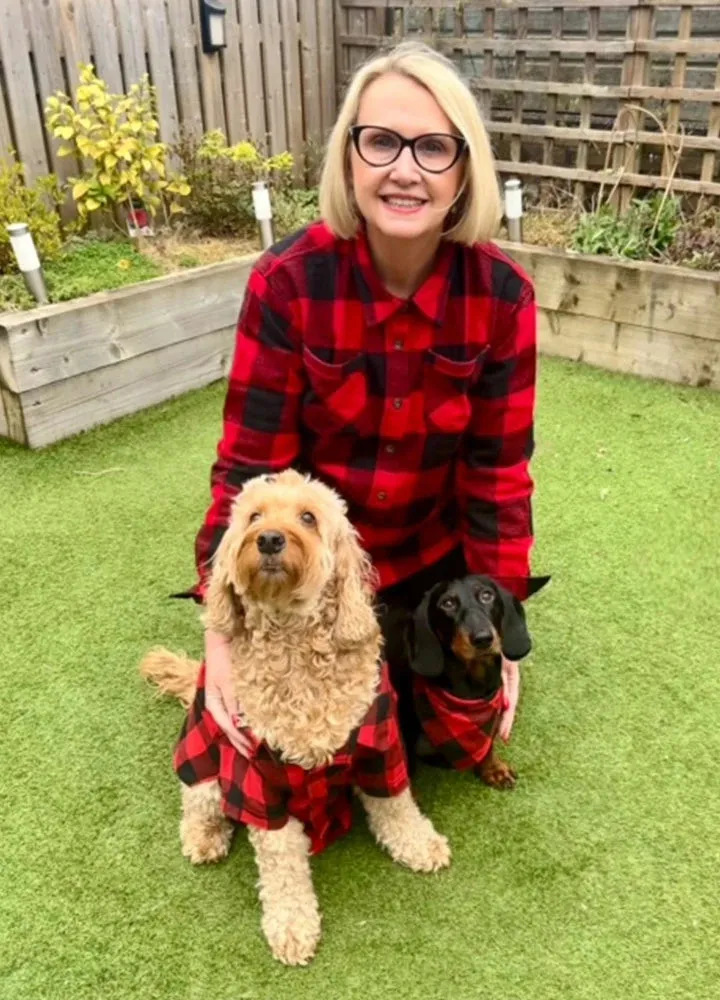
x,y
219,690
511,689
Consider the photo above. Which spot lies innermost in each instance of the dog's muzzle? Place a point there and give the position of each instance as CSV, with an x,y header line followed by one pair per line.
x,y
271,543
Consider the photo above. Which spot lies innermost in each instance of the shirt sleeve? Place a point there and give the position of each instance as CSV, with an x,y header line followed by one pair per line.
x,y
494,484
261,412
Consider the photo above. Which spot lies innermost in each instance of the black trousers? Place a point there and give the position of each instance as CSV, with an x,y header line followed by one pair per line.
x,y
395,605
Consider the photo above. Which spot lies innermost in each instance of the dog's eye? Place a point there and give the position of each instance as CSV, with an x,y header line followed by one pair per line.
x,y
307,517
254,517
448,604
485,596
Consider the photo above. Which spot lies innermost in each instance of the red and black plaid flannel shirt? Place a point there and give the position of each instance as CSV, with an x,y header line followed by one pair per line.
x,y
263,791
419,412
460,729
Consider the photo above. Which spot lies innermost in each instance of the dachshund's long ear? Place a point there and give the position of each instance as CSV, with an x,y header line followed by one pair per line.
x,y
424,650
536,583
515,637
355,623
224,611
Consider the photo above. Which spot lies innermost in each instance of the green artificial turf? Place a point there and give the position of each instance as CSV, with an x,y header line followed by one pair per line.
x,y
596,878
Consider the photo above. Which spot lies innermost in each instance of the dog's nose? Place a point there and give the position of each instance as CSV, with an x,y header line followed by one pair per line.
x,y
271,542
481,638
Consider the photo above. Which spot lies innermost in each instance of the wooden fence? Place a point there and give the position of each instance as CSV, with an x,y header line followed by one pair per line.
x,y
619,93
604,93
274,82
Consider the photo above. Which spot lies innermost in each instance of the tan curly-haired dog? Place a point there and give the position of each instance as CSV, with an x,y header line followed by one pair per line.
x,y
291,588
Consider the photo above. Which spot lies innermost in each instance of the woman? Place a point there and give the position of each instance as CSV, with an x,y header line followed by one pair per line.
x,y
390,350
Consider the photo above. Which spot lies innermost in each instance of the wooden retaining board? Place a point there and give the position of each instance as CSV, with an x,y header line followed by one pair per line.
x,y
68,367
647,319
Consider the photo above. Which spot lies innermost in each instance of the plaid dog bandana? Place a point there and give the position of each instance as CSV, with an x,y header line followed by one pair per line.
x,y
263,791
460,729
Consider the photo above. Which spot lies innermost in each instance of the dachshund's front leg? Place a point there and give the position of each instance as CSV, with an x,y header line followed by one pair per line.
x,y
496,773
410,837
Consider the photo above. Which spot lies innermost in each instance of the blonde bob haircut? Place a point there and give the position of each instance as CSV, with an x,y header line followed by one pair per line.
x,y
475,216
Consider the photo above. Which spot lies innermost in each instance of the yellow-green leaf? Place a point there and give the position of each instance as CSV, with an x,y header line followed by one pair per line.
x,y
65,151
64,132
91,204
80,189
110,161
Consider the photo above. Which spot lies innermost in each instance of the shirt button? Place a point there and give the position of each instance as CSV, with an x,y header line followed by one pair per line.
x,y
398,345
397,403
382,495
390,449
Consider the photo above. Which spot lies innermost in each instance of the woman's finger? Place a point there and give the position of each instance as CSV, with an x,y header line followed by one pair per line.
x,y
216,708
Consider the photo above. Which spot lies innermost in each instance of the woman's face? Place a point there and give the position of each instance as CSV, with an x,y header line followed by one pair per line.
x,y
401,199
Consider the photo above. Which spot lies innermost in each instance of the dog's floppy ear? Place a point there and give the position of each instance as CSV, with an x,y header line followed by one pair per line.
x,y
536,583
356,622
424,650
224,612
515,637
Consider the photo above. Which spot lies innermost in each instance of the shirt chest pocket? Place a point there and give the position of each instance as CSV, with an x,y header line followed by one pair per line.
x,y
338,393
447,385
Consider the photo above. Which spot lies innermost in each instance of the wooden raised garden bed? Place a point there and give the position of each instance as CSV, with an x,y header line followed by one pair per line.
x,y
648,319
68,367
65,368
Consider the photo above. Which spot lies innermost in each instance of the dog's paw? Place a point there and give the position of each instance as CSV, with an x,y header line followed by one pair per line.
x,y
293,939
426,851
498,774
206,844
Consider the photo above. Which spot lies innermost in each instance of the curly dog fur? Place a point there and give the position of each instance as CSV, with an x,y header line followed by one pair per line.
x,y
305,646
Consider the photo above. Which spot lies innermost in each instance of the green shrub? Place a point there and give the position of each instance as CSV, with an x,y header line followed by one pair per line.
x,y
293,208
221,178
115,137
35,204
644,233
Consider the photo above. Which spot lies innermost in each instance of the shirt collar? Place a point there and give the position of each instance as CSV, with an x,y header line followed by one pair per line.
x,y
379,304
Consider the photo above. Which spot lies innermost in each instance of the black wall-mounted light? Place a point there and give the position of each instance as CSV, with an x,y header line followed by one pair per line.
x,y
212,23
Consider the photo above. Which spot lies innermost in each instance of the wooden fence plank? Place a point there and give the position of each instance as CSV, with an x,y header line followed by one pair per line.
x,y
131,31
672,121
293,84
273,76
708,165
184,43
75,37
606,178
328,78
232,77
158,36
310,60
27,121
252,42
6,140
44,32
210,82
104,43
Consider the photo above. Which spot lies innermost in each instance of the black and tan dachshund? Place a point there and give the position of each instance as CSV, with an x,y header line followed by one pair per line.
x,y
454,644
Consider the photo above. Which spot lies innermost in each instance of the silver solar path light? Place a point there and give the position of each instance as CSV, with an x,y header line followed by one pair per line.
x,y
514,209
28,261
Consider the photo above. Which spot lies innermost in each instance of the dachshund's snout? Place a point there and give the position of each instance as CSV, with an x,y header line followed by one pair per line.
x,y
481,637
271,542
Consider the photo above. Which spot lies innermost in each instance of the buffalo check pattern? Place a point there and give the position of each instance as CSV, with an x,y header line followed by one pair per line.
x,y
419,411
261,790
461,730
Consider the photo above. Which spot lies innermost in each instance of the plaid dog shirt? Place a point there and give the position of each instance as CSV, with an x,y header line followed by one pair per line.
x,y
263,791
419,412
460,729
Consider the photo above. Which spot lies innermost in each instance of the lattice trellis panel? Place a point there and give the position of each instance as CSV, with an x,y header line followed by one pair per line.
x,y
623,95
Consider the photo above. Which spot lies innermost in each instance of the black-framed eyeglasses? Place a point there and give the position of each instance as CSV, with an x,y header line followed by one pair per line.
x,y
435,152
